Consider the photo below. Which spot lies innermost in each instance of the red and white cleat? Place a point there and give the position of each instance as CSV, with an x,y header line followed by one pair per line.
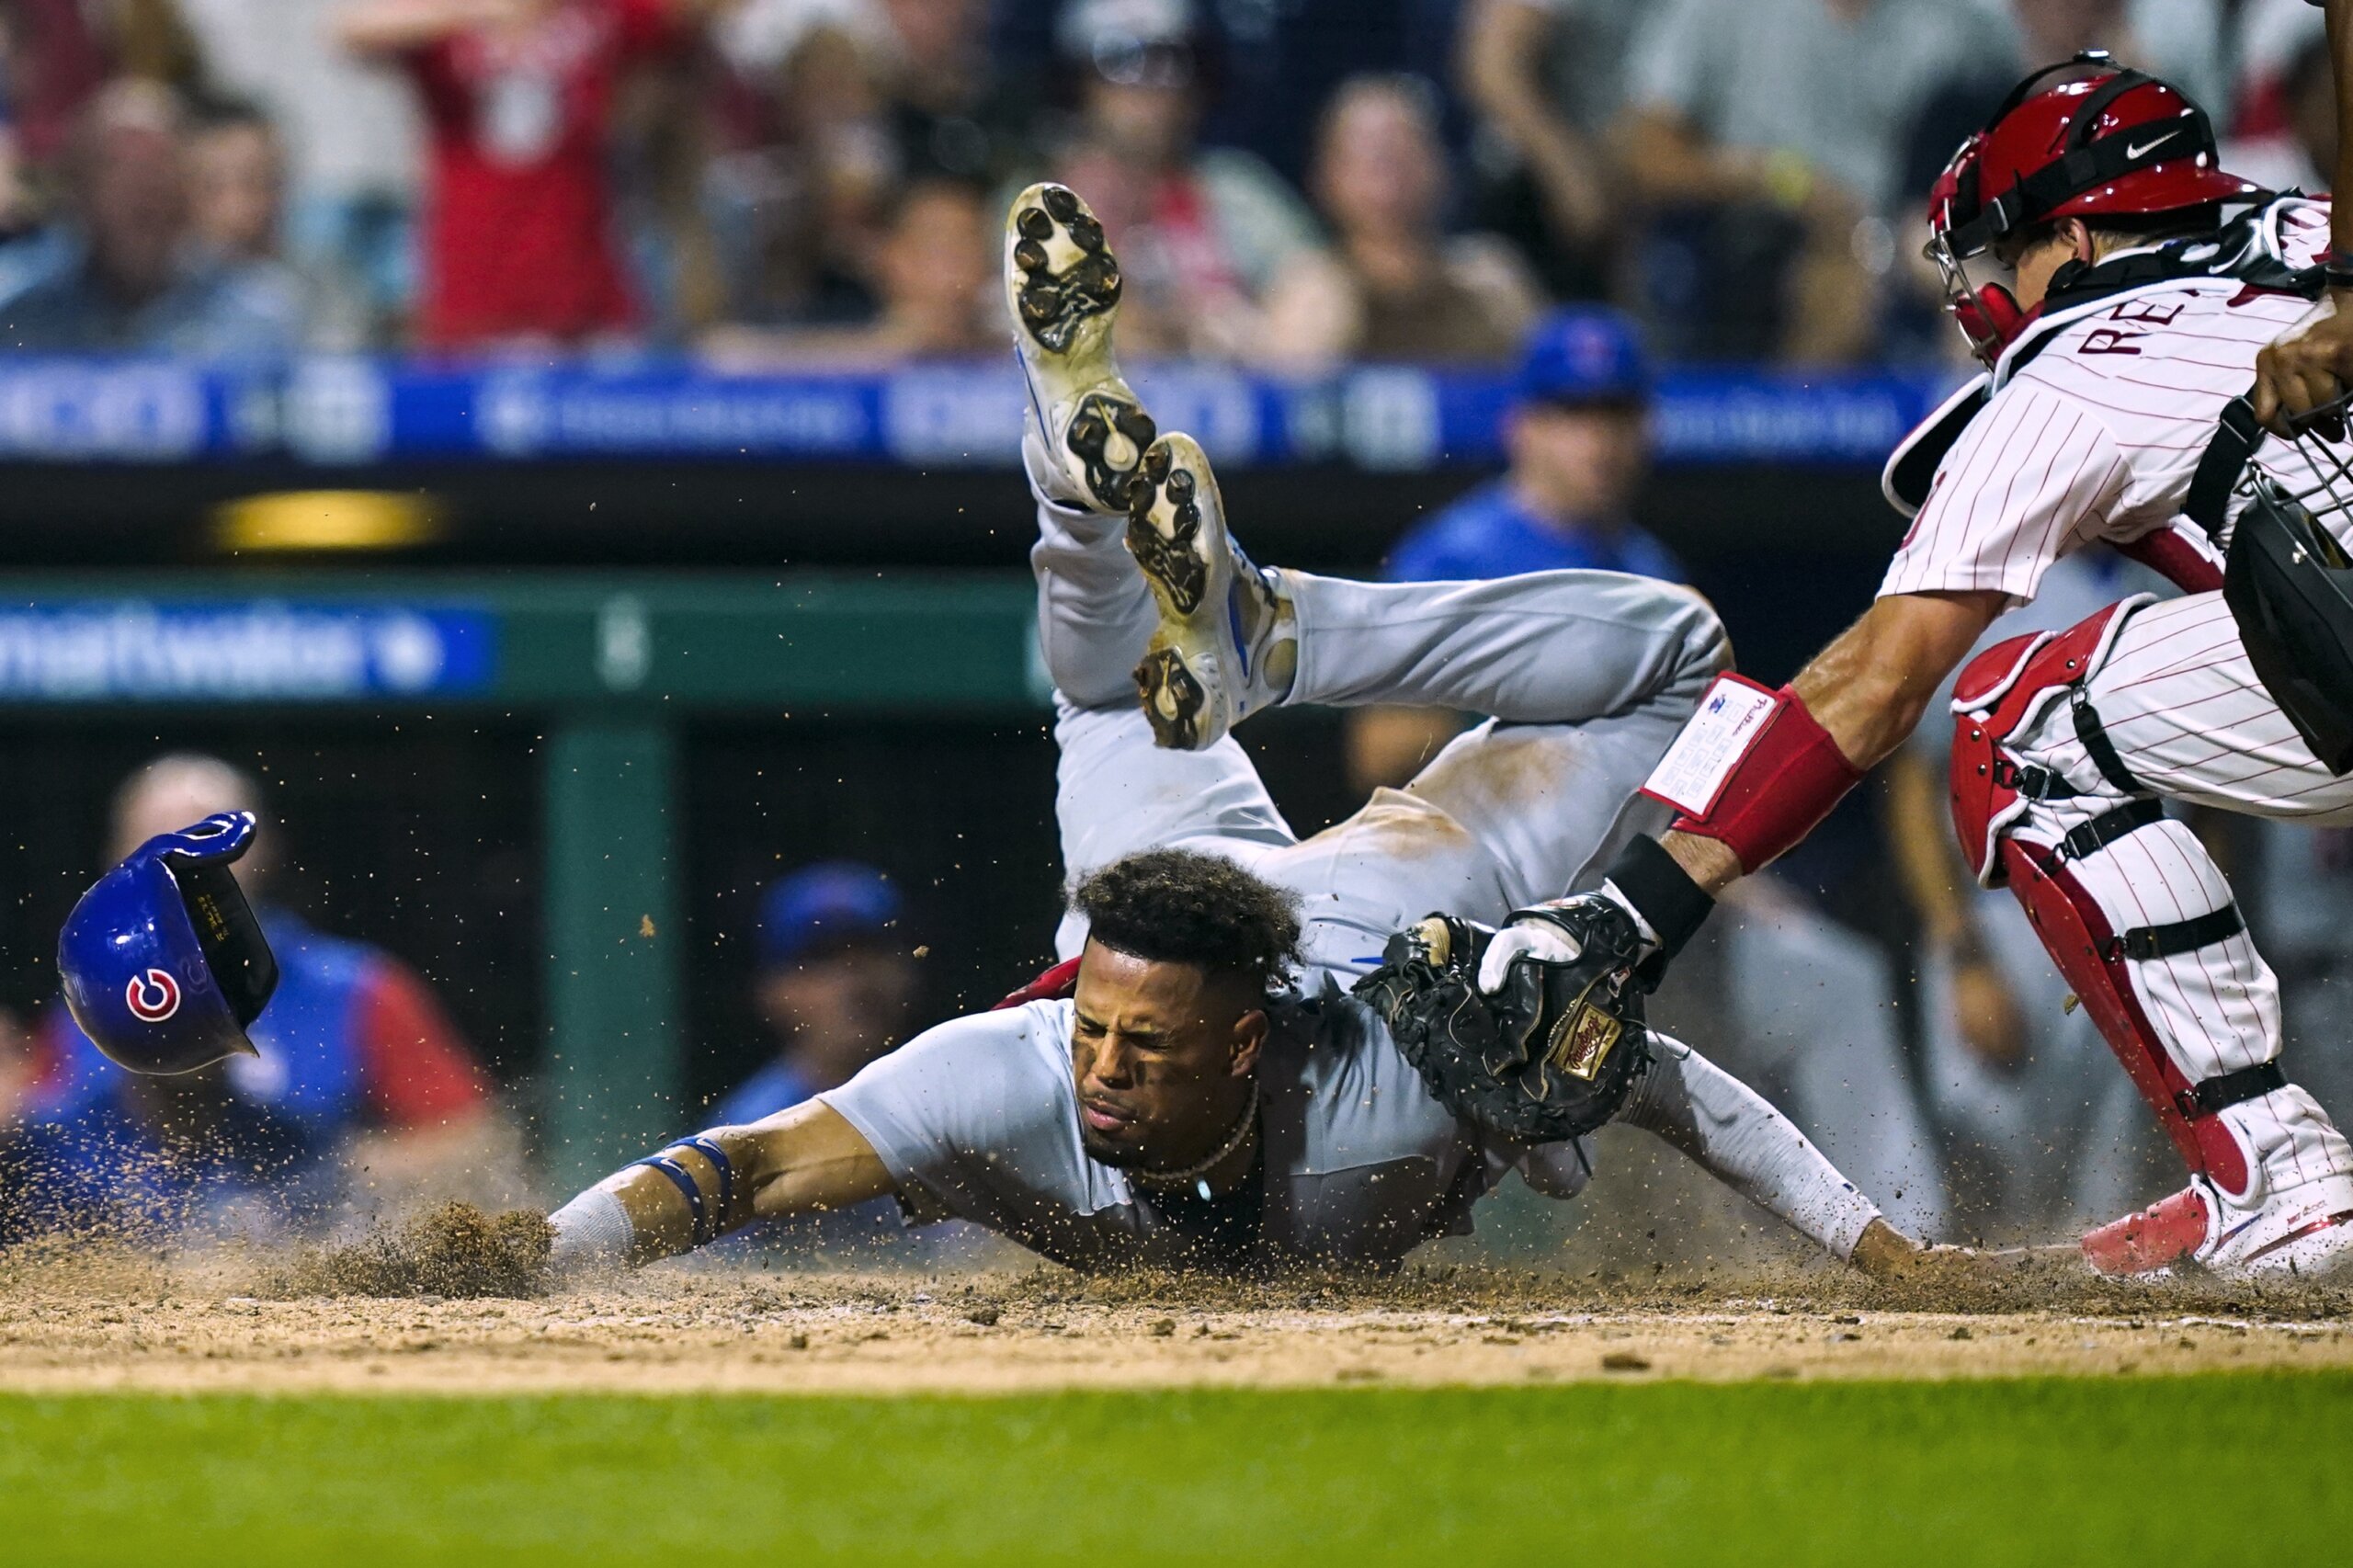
x,y
2305,1231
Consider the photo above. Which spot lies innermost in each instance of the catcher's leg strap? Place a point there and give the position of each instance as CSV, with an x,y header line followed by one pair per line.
x,y
2092,955
2002,692
2097,745
2147,942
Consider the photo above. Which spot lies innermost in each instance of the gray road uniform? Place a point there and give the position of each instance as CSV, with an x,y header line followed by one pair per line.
x,y
1589,675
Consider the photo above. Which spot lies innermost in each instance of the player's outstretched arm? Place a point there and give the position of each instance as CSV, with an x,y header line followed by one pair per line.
x,y
798,1161
1866,692
1734,1135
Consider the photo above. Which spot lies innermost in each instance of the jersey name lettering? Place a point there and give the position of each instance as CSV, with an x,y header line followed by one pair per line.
x,y
2108,340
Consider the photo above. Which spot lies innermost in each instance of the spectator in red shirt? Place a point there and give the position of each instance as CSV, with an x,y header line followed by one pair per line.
x,y
519,239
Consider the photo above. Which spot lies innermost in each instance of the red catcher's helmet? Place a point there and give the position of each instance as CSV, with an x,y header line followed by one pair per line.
x,y
2105,141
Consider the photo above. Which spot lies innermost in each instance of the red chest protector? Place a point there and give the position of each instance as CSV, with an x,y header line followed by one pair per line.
x,y
2000,691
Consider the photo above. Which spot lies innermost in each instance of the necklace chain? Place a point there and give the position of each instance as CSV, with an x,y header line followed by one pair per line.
x,y
1242,1126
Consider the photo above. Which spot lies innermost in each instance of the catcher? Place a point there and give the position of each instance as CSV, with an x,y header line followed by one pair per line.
x,y
1195,1086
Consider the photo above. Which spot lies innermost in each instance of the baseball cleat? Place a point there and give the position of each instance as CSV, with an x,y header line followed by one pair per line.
x,y
1228,643
2303,1230
1062,283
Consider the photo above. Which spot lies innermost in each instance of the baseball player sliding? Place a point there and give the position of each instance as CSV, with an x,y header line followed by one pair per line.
x,y
2134,319
1193,1086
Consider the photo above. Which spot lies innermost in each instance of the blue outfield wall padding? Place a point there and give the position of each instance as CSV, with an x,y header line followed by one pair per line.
x,y
1382,417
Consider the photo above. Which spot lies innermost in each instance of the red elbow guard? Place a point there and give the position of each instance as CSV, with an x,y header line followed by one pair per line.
x,y
1752,769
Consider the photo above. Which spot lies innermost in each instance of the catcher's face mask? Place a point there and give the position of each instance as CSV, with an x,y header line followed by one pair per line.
x,y
2286,578
1988,314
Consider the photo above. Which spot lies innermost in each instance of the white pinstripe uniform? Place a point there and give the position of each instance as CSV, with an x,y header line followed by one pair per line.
x,y
2096,426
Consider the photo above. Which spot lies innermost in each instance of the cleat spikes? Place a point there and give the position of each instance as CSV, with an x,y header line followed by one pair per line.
x,y
1172,698
1062,271
1063,288
1099,436
1208,666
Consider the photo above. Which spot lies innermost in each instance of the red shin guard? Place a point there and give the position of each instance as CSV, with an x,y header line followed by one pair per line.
x,y
2081,943
2158,1237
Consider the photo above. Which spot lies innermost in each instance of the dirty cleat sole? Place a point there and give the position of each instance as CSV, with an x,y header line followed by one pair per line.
x,y
1222,620
1174,702
1061,285
1177,533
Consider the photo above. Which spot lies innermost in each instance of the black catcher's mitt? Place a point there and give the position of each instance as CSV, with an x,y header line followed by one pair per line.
x,y
1549,1056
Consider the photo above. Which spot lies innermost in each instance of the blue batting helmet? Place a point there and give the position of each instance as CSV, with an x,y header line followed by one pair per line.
x,y
821,906
163,962
1581,355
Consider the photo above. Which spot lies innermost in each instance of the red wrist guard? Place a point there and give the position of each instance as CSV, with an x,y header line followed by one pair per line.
x,y
1752,769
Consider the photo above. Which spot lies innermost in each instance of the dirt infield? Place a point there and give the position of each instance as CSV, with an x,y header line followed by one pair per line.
x,y
99,1321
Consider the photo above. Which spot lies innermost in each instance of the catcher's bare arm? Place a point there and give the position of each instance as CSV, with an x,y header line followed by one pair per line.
x,y
796,1162
1867,691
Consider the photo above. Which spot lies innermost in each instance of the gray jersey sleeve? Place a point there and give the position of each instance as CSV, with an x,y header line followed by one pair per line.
x,y
1738,1138
1556,1170
972,1115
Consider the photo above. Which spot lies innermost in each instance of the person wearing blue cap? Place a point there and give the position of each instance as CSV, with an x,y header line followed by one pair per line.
x,y
1579,440
836,986
1577,434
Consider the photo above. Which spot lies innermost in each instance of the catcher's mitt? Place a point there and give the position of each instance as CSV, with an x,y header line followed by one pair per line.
x,y
1552,1053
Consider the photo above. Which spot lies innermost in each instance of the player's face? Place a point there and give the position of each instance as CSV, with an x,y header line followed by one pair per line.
x,y
2033,266
1584,462
1160,1056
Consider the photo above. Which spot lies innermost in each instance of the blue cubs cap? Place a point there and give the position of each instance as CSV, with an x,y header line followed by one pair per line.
x,y
823,905
162,962
1583,354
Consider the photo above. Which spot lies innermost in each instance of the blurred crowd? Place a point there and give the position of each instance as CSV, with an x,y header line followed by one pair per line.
x,y
1290,183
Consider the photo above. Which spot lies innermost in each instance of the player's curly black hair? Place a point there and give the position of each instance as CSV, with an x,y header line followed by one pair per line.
x,y
1177,906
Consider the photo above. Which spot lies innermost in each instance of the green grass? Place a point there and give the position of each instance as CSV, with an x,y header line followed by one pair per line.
x,y
2145,1471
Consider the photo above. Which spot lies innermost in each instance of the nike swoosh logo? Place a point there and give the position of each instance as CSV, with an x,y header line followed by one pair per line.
x,y
1233,625
2235,1230
2134,151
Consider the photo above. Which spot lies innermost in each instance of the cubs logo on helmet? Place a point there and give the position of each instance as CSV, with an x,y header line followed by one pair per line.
x,y
153,997
162,962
